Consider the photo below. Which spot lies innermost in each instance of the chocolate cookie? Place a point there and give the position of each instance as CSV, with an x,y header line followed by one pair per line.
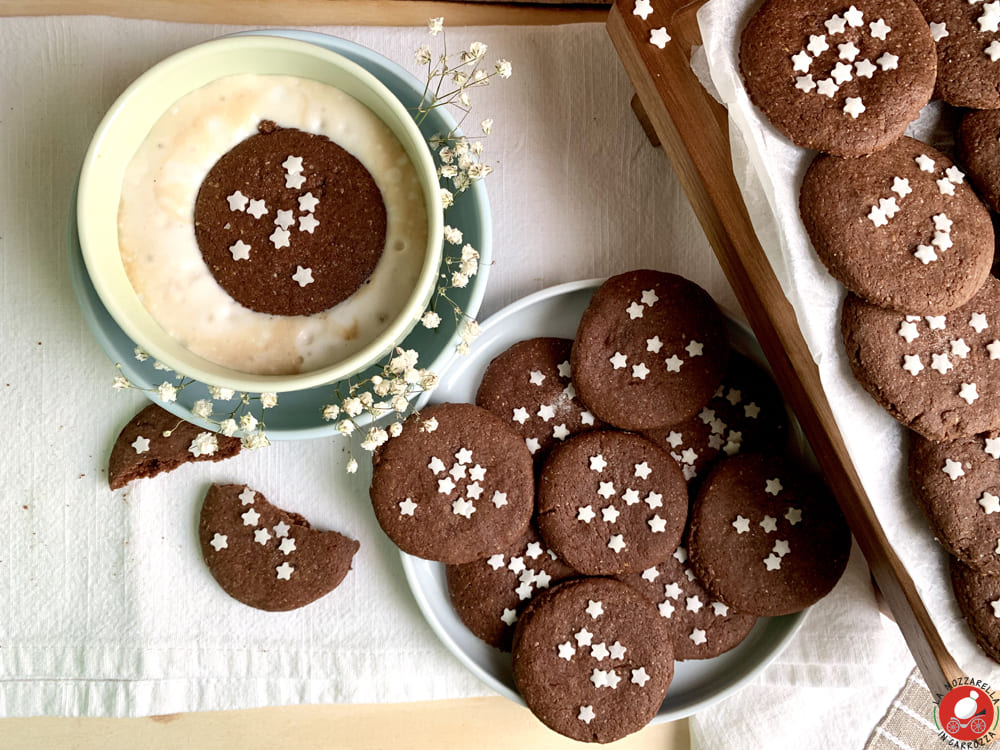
x,y
289,223
765,538
746,413
978,141
957,483
968,51
845,78
978,596
155,441
650,350
488,595
939,374
702,628
267,557
459,492
900,228
611,503
529,386
592,659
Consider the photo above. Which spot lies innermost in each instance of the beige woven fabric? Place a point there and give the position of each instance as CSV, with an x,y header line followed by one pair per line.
x,y
909,722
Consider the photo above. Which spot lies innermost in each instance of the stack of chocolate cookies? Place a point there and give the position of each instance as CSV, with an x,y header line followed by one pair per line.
x,y
899,225
614,503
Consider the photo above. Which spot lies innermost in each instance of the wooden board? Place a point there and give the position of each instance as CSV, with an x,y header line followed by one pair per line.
x,y
693,130
312,12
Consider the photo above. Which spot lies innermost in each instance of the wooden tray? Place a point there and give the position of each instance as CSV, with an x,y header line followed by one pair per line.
x,y
693,130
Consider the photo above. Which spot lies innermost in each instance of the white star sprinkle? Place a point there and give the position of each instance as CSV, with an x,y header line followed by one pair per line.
x,y
642,9
219,542
654,500
606,490
942,241
308,202
445,486
657,525
618,361
630,496
989,502
912,364
772,562
642,470
509,616
257,208
864,69
847,52
968,393
992,51
284,219
303,276
140,444
406,507
240,250
674,363
436,465
694,348
583,637
960,349
564,369
586,514
586,714
659,37
996,604
649,297
801,61
650,574
953,469
901,187
990,19
781,548
463,507
536,377
610,514
769,524
955,175
464,456
946,186
854,17
666,609
773,486
533,445
640,677
841,73
594,609
719,609
994,349
281,529
597,463
307,223
634,310
908,331
925,254
938,31
640,371
520,415
835,24
280,238
546,412
284,571
698,637
477,473
941,363
741,524
587,418
817,45
250,518
262,536
978,322
827,87
616,543
805,83
877,217
992,447
888,61
292,163
566,650
294,180
793,516
879,29
935,322
237,201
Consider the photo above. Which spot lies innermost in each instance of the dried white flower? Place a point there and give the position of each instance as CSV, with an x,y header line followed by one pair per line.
x,y
465,99
487,125
477,50
382,388
447,198
448,171
366,399
400,404
255,440
446,154
140,354
434,25
411,376
403,361
422,55
268,400
158,365
395,429
202,408
345,427
469,331
120,382
430,320
330,412
459,78
428,380
353,407
374,438
459,280
205,444
452,236
248,422
462,349
503,68
220,394
167,392
469,267
228,427
430,425
352,465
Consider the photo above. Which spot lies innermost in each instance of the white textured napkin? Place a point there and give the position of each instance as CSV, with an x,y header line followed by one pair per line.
x,y
108,609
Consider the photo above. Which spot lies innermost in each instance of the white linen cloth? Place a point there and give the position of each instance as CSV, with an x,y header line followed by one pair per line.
x,y
108,609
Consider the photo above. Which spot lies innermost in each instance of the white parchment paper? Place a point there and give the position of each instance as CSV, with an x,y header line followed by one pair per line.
x,y
769,169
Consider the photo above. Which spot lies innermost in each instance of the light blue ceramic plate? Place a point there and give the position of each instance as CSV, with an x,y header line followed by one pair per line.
x,y
697,684
298,414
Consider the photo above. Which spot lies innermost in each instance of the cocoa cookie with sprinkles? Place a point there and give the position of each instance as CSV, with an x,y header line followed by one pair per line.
x,y
489,594
702,627
978,146
456,485
650,350
746,413
978,596
900,228
529,386
611,503
266,557
765,538
289,223
937,374
968,51
845,78
957,483
155,441
605,648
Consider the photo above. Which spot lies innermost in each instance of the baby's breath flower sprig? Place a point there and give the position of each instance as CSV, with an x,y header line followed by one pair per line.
x,y
238,419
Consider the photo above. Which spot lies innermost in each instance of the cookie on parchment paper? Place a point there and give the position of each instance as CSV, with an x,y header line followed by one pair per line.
x,y
900,228
968,51
938,374
765,538
144,449
266,557
978,596
593,659
529,386
978,147
702,627
611,503
746,414
845,78
456,485
489,594
650,350
957,483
